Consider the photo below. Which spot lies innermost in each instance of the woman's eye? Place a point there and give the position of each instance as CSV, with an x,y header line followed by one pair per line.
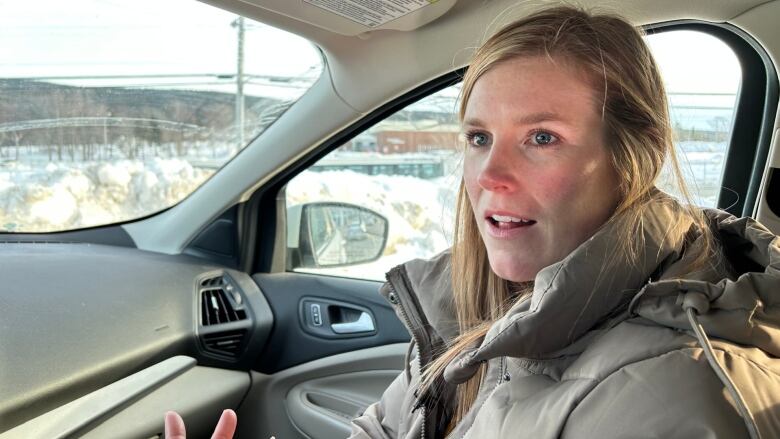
x,y
479,139
543,138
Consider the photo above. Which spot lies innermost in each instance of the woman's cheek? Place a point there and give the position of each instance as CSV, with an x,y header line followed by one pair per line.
x,y
470,181
554,187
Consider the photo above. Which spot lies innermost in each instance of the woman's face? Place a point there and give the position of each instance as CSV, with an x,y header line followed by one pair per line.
x,y
536,169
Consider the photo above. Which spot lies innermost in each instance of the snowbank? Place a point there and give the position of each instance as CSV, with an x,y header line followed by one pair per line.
x,y
64,196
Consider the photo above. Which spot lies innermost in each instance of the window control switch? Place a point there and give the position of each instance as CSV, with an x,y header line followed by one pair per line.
x,y
316,314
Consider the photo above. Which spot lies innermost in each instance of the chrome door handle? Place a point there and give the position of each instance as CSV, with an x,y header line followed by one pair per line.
x,y
364,323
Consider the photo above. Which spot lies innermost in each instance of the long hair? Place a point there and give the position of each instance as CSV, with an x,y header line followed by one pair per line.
x,y
633,105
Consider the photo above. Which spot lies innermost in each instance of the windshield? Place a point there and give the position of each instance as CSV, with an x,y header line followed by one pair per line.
x,y
112,110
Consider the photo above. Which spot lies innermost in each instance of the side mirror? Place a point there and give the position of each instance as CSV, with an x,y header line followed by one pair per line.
x,y
327,234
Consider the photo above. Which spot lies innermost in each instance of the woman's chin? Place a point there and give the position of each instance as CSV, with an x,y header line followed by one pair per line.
x,y
513,271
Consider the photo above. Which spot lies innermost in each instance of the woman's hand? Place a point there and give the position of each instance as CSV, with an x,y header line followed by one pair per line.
x,y
226,427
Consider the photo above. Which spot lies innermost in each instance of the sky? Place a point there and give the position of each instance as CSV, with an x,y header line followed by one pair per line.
x,y
695,62
142,37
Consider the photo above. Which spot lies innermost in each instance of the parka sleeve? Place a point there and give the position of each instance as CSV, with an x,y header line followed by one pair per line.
x,y
675,396
382,419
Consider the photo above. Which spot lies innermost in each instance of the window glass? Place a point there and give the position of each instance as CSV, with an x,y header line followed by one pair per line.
x,y
702,77
408,166
112,110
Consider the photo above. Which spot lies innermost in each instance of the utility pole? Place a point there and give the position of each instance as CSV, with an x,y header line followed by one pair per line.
x,y
239,120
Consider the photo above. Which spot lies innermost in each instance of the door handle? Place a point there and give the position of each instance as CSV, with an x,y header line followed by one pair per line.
x,y
328,318
364,323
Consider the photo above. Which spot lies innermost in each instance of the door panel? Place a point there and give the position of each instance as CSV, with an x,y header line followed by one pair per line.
x,y
295,339
294,403
324,407
335,346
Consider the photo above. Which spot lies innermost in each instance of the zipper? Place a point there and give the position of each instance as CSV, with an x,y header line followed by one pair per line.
x,y
399,293
503,375
422,429
502,371
400,296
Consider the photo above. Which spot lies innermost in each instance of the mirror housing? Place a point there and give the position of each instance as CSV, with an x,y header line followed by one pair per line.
x,y
330,234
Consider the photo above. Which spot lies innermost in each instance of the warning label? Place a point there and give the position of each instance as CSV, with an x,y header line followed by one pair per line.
x,y
370,13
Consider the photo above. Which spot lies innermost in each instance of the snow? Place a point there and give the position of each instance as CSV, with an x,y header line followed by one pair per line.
x,y
65,196
118,174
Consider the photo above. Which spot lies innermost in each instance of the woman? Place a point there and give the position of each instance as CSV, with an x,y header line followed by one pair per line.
x,y
570,303
564,312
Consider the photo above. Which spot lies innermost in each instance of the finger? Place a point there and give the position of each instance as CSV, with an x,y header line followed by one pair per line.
x,y
174,426
226,426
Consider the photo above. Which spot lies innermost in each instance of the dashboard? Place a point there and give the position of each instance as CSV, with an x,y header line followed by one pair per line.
x,y
77,317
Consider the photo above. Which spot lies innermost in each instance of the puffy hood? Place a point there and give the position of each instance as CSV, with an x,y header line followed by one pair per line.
x,y
573,296
742,309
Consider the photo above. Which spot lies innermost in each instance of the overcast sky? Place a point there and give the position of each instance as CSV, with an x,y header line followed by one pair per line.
x,y
118,37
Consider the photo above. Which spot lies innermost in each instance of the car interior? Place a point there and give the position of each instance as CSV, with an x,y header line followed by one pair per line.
x,y
243,295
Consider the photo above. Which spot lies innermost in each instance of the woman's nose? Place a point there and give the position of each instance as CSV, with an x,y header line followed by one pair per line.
x,y
500,170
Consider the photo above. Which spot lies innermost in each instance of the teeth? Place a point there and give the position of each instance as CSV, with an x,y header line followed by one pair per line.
x,y
508,219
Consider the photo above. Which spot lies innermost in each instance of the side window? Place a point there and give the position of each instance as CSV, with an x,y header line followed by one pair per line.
x,y
407,168
702,77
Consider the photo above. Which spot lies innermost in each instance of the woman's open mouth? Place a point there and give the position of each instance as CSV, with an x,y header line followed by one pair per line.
x,y
505,226
509,222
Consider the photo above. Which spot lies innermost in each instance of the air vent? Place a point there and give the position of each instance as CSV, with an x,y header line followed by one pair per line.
x,y
213,282
220,302
225,343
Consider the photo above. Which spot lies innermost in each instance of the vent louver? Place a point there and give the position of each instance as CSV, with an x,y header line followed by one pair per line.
x,y
218,302
226,343
224,323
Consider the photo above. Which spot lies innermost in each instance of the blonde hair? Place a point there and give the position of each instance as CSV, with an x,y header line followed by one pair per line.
x,y
634,110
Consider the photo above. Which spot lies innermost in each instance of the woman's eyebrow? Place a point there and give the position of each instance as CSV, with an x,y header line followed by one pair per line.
x,y
542,116
473,121
528,119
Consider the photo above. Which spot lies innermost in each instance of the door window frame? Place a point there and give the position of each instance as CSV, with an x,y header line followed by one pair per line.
x,y
754,114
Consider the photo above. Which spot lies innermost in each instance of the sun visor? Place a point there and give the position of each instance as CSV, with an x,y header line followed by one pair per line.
x,y
354,17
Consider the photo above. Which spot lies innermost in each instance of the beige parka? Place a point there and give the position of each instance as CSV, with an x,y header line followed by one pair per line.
x,y
602,354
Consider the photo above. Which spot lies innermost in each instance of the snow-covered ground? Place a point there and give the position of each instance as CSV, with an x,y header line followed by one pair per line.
x,y
64,196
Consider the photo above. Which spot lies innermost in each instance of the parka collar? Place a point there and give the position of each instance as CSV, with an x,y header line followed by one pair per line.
x,y
575,294
570,297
